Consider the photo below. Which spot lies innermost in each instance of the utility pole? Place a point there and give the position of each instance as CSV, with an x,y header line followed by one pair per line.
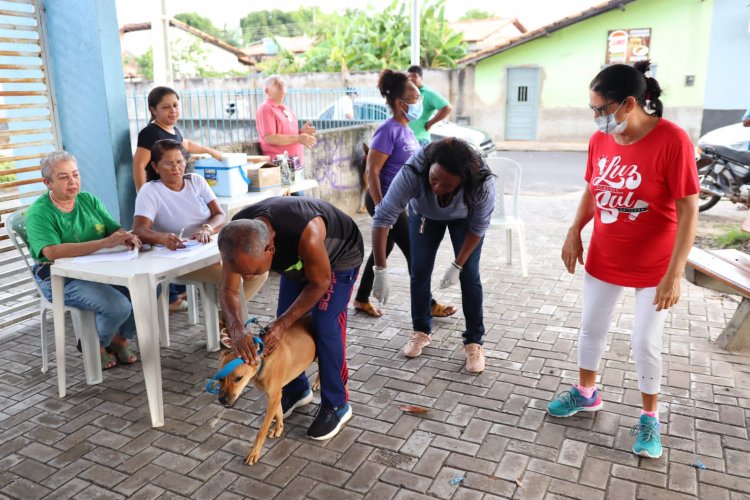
x,y
160,42
415,32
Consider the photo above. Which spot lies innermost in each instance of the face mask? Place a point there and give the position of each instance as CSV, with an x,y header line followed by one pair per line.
x,y
609,125
414,111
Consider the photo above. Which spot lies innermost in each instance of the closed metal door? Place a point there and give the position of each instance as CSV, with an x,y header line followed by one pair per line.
x,y
522,104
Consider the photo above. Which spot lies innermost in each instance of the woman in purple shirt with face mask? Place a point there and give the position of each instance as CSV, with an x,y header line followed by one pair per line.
x,y
393,143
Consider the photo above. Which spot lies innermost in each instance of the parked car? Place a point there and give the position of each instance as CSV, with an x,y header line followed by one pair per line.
x,y
375,110
732,136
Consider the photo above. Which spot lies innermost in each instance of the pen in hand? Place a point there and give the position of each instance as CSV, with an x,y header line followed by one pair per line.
x,y
181,232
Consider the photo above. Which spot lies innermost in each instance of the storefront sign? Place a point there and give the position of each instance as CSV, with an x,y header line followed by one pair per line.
x,y
628,46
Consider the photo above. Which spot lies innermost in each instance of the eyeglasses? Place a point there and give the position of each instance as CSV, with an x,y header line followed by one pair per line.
x,y
602,110
172,164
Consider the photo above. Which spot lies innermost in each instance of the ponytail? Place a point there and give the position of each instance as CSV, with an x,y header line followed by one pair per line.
x,y
653,89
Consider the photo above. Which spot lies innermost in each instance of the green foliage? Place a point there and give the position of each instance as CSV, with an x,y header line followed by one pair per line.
x,y
441,46
373,40
189,59
204,24
477,14
7,165
145,64
271,23
284,62
732,238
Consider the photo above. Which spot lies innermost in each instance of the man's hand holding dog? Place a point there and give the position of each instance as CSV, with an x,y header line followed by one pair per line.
x,y
273,336
245,347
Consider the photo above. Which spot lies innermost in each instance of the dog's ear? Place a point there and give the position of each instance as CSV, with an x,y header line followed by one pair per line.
x,y
226,356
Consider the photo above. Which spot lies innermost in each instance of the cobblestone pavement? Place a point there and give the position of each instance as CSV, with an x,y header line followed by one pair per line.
x,y
489,429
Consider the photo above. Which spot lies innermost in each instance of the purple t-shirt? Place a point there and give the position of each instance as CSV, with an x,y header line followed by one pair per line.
x,y
399,143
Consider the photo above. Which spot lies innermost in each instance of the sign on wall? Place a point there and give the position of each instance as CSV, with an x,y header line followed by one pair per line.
x,y
628,46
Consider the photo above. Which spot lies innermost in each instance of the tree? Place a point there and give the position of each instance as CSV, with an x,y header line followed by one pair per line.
x,y
204,24
189,59
145,64
270,23
477,14
368,40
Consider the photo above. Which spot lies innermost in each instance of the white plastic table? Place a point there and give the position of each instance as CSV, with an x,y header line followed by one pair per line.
x,y
140,276
232,205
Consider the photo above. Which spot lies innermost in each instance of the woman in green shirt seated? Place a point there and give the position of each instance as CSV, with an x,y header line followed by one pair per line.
x,y
68,223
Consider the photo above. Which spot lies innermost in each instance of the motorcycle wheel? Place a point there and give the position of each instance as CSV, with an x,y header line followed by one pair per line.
x,y
706,201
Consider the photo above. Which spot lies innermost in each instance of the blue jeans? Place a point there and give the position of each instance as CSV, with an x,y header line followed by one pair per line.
x,y
111,304
424,247
329,331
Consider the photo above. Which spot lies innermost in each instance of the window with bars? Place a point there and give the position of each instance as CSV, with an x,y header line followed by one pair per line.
x,y
27,133
523,93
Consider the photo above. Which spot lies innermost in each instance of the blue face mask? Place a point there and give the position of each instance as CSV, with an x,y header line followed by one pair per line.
x,y
609,125
414,111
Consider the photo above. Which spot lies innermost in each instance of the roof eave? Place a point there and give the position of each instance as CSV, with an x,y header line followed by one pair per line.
x,y
545,30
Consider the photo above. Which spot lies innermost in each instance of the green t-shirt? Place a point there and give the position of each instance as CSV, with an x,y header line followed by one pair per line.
x,y
46,225
431,102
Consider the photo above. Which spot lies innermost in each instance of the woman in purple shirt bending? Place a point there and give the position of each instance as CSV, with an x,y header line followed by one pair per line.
x,y
392,145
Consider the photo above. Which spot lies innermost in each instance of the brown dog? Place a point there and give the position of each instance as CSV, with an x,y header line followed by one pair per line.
x,y
293,354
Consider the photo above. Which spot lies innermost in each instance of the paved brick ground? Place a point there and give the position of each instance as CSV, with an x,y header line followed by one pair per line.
x,y
490,429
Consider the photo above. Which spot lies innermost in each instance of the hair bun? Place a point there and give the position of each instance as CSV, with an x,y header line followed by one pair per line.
x,y
643,66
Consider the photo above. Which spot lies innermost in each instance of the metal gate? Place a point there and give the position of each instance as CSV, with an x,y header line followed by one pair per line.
x,y
27,131
522,103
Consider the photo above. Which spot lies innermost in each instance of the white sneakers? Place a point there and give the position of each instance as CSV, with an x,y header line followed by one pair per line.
x,y
417,342
474,358
474,352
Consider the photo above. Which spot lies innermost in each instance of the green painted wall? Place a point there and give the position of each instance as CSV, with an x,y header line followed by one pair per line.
x,y
571,57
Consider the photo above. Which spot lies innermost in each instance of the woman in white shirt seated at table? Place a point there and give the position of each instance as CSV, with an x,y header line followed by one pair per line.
x,y
173,207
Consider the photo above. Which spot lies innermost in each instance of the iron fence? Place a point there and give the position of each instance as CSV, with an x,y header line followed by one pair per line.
x,y
222,117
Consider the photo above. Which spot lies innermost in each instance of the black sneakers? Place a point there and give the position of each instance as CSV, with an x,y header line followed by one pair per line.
x,y
289,404
329,421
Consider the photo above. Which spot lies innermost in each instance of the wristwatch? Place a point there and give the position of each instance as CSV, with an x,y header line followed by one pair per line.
x,y
208,226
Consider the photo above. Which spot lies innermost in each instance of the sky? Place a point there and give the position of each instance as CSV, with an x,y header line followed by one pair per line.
x,y
532,13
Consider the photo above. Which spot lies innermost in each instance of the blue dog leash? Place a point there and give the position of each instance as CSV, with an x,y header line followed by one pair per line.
x,y
212,385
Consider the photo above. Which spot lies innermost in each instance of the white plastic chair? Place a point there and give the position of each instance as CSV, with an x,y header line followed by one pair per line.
x,y
84,321
206,291
506,215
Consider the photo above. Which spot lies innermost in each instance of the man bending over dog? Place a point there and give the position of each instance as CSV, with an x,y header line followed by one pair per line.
x,y
318,250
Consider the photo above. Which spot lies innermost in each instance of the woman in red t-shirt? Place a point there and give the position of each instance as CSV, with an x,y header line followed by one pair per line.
x,y
641,191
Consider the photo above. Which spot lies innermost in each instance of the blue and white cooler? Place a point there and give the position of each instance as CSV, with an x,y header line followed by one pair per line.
x,y
226,177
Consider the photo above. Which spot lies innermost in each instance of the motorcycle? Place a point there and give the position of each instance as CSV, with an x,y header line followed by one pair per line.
x,y
723,173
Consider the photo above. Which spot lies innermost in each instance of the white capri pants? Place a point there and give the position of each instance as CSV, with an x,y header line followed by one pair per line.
x,y
599,300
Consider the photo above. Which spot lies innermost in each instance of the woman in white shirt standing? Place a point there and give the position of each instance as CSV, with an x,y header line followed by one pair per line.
x,y
173,207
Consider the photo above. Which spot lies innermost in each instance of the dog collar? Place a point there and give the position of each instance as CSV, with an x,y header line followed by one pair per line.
x,y
212,385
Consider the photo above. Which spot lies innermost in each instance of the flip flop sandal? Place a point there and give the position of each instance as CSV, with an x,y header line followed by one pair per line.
x,y
123,354
108,360
178,306
442,311
369,309
224,339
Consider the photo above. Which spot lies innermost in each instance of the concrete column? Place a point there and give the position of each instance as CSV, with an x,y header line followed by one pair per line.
x,y
85,70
